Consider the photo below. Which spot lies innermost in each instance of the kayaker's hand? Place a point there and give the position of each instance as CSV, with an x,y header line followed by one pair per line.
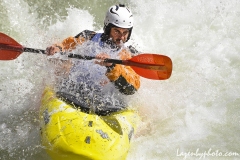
x,y
100,59
51,50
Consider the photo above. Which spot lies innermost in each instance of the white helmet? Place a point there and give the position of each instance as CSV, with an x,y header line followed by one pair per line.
x,y
119,16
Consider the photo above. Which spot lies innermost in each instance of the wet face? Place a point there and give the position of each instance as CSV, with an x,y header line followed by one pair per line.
x,y
119,35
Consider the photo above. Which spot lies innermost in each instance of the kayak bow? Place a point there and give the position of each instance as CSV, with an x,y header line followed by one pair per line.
x,y
68,133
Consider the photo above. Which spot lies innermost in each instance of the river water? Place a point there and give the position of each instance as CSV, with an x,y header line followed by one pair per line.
x,y
193,115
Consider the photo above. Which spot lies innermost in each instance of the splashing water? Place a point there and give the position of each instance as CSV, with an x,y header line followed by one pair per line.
x,y
197,109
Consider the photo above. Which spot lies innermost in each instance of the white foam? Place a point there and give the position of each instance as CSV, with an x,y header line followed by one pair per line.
x,y
198,107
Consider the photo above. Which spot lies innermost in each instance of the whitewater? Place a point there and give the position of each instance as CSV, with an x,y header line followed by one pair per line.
x,y
193,115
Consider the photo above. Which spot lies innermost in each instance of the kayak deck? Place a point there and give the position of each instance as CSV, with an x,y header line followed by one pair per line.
x,y
67,132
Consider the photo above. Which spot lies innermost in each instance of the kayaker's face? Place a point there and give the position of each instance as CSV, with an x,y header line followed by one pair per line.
x,y
119,35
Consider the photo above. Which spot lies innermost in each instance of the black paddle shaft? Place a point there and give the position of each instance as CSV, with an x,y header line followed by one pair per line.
x,y
25,49
116,61
71,55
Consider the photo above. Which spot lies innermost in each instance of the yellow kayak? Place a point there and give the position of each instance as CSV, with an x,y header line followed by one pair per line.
x,y
69,134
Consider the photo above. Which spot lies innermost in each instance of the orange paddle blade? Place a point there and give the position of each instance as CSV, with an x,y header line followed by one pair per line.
x,y
158,67
9,48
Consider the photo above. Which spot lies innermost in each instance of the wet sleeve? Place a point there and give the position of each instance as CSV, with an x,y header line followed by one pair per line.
x,y
70,43
124,78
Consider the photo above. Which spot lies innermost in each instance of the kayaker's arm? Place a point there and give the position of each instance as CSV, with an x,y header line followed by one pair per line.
x,y
63,66
124,77
70,43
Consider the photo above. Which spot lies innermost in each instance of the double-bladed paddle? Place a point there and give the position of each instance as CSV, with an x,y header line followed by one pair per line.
x,y
151,66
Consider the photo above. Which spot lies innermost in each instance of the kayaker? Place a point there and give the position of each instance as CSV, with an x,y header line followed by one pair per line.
x,y
98,86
